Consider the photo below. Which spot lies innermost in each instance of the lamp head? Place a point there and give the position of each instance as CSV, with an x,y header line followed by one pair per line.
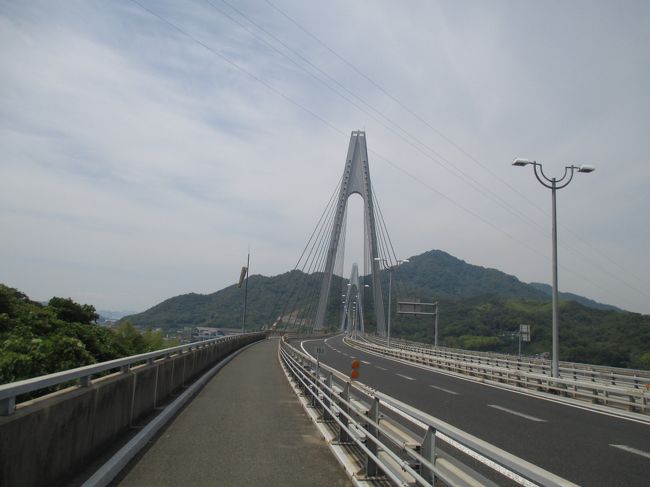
x,y
586,168
522,162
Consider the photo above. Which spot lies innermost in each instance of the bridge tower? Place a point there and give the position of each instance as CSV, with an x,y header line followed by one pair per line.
x,y
353,306
356,179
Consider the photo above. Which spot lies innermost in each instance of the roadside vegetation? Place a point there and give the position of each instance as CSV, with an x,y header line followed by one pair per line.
x,y
37,339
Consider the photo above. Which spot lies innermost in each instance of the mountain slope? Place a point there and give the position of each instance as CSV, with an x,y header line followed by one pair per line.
x,y
439,274
480,308
590,303
432,275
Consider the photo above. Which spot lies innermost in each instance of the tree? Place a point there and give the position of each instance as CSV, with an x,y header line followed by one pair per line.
x,y
71,312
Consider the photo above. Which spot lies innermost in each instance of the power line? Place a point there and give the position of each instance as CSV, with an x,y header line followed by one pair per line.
x,y
329,124
462,150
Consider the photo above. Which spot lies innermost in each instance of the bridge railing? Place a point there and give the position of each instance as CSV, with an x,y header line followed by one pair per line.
x,y
84,375
395,441
615,376
612,375
633,396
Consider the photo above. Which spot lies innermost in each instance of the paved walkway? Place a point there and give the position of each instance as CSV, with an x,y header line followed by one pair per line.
x,y
246,427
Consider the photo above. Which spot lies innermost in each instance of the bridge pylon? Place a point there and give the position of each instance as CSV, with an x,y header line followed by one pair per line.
x,y
356,180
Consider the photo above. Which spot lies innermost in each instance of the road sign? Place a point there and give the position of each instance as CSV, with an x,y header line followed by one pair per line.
x,y
524,332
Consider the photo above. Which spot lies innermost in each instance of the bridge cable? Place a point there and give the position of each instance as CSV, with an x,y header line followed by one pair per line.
x,y
334,128
461,149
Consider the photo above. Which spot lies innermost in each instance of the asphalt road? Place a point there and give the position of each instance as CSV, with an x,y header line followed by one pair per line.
x,y
246,427
573,443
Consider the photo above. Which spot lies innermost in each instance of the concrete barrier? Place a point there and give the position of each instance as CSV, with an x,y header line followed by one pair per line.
x,y
49,440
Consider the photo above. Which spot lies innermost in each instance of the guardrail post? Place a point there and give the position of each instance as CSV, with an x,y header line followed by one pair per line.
x,y
7,406
125,368
327,397
373,414
314,389
429,452
345,396
84,381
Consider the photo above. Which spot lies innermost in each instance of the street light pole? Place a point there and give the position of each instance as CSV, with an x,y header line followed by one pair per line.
x,y
555,361
390,299
390,269
554,184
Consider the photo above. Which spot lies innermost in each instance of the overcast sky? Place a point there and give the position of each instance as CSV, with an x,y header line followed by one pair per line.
x,y
144,145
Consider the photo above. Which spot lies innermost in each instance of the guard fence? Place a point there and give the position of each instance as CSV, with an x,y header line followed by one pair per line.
x,y
639,379
629,392
394,443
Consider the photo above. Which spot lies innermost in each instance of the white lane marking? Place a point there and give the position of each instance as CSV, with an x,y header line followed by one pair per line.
x,y
528,393
516,413
380,368
448,391
365,362
406,377
631,450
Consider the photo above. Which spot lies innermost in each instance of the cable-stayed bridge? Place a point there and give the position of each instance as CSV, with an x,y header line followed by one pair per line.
x,y
391,412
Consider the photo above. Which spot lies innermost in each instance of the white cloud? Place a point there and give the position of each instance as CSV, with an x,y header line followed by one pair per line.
x,y
137,165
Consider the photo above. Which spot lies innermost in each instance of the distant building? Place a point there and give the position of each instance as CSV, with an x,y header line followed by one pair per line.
x,y
201,333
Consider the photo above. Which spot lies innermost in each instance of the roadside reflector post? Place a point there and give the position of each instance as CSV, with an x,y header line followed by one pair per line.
x,y
356,365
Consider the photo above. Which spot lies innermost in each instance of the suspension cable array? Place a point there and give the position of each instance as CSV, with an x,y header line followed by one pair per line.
x,y
309,301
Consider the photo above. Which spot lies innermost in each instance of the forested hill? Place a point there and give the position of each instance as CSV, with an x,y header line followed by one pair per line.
x,y
266,296
438,274
480,309
433,274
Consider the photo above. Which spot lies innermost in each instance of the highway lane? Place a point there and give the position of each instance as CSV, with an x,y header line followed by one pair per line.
x,y
568,441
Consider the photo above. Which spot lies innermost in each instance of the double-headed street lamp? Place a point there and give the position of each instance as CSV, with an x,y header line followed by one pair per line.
x,y
390,269
554,184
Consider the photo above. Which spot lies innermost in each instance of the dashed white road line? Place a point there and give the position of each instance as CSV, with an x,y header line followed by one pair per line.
x,y
631,450
365,362
405,377
380,368
516,413
448,391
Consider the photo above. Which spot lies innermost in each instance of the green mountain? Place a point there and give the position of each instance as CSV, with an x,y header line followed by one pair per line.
x,y
440,275
480,308
268,298
590,303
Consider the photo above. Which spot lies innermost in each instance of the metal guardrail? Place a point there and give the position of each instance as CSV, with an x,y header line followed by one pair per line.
x,y
9,392
631,397
639,379
396,442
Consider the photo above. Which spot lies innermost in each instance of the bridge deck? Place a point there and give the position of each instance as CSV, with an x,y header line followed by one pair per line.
x,y
246,427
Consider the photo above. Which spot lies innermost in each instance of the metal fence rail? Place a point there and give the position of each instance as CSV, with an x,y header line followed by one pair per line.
x,y
398,443
639,379
633,395
9,392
